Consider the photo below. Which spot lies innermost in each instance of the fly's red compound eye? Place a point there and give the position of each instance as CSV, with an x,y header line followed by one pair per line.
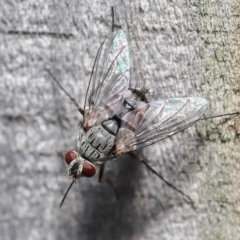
x,y
88,169
70,156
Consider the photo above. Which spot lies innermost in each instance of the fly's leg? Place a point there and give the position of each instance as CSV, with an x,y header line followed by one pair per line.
x,y
220,115
62,88
101,172
65,195
81,110
189,200
113,21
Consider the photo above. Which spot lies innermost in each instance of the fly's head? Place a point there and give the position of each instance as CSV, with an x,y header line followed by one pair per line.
x,y
79,167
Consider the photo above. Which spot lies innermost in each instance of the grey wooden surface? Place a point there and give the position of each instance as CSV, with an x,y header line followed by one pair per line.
x,y
186,48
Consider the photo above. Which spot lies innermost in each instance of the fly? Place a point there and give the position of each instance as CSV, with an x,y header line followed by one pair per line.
x,y
118,119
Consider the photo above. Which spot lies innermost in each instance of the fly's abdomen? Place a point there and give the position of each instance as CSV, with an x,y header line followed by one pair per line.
x,y
98,142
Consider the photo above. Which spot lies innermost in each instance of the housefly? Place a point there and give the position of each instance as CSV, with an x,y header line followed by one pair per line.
x,y
118,119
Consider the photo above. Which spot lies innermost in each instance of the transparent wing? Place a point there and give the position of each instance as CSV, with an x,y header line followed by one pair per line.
x,y
156,121
109,80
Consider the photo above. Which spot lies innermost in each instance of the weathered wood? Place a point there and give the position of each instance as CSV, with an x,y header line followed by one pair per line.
x,y
186,48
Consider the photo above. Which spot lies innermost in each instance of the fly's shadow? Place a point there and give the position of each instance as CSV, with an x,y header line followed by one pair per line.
x,y
110,212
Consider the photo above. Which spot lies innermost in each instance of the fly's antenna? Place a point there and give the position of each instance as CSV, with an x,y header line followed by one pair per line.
x,y
220,115
62,88
65,195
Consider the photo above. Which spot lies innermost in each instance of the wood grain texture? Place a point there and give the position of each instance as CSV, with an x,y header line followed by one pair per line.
x,y
182,48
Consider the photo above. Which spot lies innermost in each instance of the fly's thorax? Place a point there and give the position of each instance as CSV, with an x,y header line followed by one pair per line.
x,y
98,141
79,167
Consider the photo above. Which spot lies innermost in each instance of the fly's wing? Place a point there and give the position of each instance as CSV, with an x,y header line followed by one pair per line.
x,y
109,80
157,120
